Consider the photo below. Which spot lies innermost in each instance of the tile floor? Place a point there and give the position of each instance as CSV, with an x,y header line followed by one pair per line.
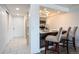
x,y
62,51
16,46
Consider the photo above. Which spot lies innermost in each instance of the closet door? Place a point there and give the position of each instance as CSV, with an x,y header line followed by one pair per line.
x,y
18,26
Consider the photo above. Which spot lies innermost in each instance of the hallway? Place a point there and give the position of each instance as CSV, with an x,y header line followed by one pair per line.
x,y
16,46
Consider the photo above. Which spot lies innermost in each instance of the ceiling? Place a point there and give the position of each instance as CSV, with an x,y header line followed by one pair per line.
x,y
23,9
47,12
54,12
70,5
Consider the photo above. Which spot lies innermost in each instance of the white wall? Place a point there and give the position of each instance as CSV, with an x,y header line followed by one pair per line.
x,y
3,28
65,20
10,27
26,28
34,39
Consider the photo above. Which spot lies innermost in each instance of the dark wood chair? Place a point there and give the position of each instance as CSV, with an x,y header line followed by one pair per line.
x,y
72,36
65,39
55,39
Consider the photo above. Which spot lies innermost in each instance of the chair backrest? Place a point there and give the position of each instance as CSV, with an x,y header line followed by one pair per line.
x,y
74,31
59,34
68,31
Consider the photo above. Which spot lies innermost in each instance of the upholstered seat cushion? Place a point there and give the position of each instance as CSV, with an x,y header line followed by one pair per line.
x,y
52,38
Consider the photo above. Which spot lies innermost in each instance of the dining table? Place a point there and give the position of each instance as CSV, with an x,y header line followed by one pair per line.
x,y
44,34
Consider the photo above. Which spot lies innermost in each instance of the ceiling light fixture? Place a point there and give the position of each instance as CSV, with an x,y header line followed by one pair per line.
x,y
17,9
45,9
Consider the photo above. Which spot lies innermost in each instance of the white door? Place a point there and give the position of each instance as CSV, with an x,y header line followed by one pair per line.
x,y
18,26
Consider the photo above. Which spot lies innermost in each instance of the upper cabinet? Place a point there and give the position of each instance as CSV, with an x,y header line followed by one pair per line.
x,y
43,18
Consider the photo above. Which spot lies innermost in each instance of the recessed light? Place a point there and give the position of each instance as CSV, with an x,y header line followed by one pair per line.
x,y
45,9
17,9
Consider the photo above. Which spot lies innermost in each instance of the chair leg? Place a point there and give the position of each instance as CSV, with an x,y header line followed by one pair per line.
x,y
67,47
57,48
74,43
46,46
63,43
